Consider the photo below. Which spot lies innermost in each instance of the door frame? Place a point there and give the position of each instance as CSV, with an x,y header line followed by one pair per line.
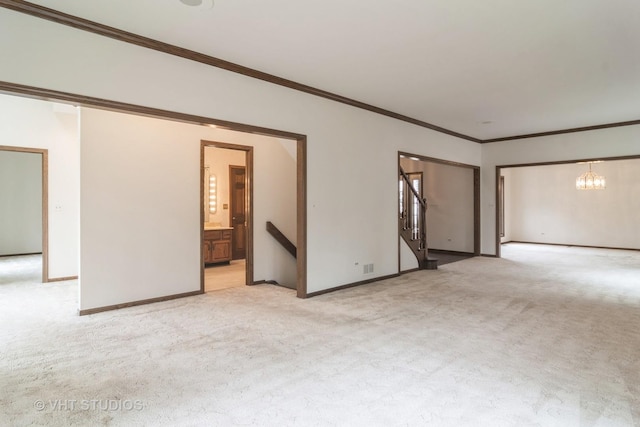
x,y
248,152
45,202
476,197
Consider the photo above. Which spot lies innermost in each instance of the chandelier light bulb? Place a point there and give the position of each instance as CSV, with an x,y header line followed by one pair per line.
x,y
198,4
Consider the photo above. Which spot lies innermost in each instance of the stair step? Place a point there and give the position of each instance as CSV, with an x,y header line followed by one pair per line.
x,y
430,263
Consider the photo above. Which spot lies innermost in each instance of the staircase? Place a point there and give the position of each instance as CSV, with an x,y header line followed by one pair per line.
x,y
286,244
412,223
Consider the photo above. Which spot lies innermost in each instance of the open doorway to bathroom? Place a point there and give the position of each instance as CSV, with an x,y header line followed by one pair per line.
x,y
227,215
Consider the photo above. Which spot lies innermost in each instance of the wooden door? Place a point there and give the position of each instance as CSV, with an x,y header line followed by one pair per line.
x,y
238,201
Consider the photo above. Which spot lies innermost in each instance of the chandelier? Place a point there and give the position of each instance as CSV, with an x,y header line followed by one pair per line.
x,y
199,4
590,181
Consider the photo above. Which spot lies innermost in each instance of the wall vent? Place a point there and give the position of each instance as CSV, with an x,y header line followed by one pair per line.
x,y
367,269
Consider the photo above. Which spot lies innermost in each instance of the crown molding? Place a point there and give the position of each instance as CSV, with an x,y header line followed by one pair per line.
x,y
105,104
563,131
127,37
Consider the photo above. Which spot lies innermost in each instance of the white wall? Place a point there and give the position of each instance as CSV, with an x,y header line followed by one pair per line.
x,y
20,203
274,198
408,260
45,125
348,219
140,206
449,193
352,154
547,208
612,142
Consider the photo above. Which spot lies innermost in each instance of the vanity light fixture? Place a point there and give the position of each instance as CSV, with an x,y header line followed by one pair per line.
x,y
213,194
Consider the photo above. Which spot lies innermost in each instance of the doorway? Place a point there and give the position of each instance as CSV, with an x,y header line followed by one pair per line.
x,y
24,188
540,203
452,191
227,215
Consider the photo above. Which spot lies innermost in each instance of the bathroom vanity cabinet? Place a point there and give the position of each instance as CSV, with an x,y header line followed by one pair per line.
x,y
217,245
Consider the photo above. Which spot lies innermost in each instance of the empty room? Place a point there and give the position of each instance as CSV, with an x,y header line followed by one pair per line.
x,y
342,313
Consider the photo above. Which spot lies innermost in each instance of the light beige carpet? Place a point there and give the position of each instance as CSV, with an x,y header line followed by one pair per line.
x,y
547,336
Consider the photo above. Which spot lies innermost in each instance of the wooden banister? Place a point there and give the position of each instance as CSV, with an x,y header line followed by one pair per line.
x,y
423,202
282,239
413,223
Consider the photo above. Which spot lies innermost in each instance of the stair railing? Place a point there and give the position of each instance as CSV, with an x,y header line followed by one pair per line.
x,y
412,214
282,239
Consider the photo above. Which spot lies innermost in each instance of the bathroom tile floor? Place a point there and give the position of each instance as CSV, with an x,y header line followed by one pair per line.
x,y
224,276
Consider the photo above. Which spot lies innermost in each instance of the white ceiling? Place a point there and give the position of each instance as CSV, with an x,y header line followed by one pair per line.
x,y
524,66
